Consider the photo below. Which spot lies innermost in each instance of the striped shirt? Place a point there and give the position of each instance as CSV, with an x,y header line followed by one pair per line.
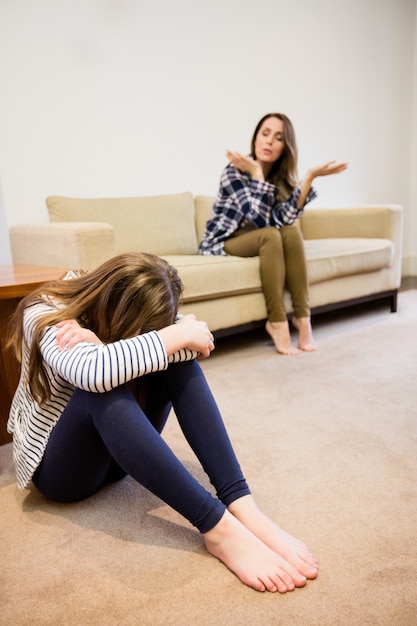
x,y
87,366
242,200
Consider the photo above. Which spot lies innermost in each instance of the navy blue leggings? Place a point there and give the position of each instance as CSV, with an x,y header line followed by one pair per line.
x,y
100,438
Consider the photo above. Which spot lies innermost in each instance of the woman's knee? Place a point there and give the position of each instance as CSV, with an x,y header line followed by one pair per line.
x,y
270,240
291,235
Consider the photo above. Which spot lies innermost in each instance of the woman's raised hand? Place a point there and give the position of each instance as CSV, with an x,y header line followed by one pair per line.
x,y
331,167
245,164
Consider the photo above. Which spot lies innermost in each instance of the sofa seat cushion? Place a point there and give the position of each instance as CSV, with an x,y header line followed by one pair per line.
x,y
332,258
156,224
208,277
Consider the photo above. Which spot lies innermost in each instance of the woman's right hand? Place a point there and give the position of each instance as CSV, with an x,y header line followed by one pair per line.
x,y
188,332
245,164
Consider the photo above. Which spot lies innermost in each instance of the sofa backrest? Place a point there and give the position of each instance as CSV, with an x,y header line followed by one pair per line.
x,y
157,224
203,210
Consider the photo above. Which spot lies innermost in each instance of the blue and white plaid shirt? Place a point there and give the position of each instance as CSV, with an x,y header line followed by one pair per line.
x,y
242,200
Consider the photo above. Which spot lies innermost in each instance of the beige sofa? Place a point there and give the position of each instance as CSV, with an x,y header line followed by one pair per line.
x,y
353,254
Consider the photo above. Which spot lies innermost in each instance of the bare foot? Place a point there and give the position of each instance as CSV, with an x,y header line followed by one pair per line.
x,y
280,334
291,549
249,558
305,334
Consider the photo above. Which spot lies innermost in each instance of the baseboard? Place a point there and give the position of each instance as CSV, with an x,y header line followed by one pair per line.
x,y
409,266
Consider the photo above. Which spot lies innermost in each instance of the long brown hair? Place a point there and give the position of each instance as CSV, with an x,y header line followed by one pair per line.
x,y
127,295
283,173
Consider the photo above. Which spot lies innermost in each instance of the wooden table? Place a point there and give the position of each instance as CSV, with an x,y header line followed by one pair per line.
x,y
16,282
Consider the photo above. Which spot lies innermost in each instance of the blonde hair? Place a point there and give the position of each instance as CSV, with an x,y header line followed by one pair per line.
x,y
127,295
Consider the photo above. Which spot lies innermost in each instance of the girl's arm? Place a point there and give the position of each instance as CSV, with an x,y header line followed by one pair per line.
x,y
70,333
186,334
97,367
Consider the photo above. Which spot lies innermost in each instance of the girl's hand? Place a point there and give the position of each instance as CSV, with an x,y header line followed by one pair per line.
x,y
70,333
332,167
199,337
245,164
188,332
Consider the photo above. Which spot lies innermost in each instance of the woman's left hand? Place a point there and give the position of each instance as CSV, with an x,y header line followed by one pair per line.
x,y
70,333
331,167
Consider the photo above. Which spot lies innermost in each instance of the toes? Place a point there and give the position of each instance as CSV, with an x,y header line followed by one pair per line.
x,y
279,585
312,573
281,588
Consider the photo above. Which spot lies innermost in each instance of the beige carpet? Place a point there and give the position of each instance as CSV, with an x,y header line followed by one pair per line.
x,y
328,444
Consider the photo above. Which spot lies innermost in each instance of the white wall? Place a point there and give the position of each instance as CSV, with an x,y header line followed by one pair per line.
x,y
127,97
5,252
410,256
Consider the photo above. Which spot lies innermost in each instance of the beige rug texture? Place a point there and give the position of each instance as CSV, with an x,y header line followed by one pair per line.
x,y
328,444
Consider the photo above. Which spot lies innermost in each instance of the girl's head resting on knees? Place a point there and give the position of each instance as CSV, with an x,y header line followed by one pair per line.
x,y
278,127
127,295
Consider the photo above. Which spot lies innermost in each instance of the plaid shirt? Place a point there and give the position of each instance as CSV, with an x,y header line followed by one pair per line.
x,y
242,200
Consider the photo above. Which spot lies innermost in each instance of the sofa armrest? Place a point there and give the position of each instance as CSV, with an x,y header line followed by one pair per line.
x,y
382,222
76,245
371,221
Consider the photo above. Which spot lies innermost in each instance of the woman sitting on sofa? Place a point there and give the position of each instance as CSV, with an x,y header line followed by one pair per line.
x,y
257,205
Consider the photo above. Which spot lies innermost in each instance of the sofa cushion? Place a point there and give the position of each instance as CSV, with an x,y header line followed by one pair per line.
x,y
156,224
332,258
209,277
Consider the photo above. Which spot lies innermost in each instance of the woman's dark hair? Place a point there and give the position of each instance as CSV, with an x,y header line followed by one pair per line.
x,y
283,173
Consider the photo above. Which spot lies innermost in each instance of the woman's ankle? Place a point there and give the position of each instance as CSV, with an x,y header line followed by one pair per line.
x,y
280,335
306,341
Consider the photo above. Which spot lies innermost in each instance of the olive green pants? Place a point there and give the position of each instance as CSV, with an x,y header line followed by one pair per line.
x,y
282,264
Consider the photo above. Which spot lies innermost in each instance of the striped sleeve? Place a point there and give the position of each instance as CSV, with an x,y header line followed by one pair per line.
x,y
99,368
182,355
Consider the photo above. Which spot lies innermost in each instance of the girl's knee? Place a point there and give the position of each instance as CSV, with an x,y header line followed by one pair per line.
x,y
89,401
